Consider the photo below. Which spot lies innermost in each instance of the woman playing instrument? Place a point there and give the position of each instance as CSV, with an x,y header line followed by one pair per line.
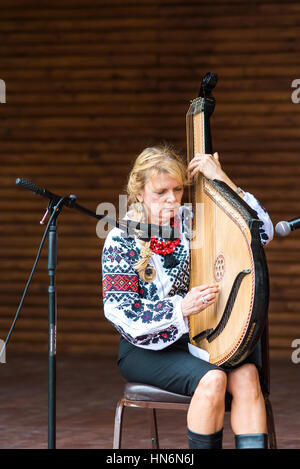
x,y
146,297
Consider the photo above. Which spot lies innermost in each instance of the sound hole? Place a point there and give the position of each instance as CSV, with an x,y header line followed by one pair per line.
x,y
219,268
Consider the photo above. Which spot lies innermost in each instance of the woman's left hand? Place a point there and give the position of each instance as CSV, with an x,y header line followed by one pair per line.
x,y
208,165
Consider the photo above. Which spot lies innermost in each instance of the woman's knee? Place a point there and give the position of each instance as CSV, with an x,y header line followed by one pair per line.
x,y
243,382
212,387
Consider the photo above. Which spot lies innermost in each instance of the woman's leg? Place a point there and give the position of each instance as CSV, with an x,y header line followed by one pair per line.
x,y
207,407
248,411
206,412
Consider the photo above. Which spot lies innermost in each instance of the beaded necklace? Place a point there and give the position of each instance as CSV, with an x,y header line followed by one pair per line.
x,y
166,249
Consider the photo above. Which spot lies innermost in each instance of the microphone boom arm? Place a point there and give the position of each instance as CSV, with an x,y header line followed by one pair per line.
x,y
130,227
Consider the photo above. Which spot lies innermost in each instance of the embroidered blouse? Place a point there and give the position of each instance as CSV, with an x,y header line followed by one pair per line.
x,y
148,314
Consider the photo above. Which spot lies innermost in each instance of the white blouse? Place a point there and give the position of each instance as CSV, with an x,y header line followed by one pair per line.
x,y
148,314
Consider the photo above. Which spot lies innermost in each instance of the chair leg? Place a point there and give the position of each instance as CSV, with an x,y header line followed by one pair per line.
x,y
118,424
154,432
270,424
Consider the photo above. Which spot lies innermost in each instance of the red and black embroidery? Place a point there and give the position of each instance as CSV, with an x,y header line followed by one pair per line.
x,y
145,311
167,336
121,283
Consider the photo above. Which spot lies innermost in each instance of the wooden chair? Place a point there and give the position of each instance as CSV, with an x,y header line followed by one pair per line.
x,y
153,398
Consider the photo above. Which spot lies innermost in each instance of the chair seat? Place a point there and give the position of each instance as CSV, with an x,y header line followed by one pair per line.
x,y
145,392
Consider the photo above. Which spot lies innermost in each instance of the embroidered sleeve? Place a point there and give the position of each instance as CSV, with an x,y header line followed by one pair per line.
x,y
149,322
266,228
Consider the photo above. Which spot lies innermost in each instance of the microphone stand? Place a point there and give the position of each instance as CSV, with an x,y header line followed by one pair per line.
x,y
54,209
52,327
56,203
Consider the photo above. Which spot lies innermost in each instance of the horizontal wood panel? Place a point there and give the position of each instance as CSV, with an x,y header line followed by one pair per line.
x,y
283,112
176,46
57,159
284,123
100,3
148,8
195,17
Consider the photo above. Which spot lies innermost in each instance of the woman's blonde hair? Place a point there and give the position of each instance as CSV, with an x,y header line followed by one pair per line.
x,y
151,162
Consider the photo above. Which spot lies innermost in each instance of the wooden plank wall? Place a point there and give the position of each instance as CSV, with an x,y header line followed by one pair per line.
x,y
89,84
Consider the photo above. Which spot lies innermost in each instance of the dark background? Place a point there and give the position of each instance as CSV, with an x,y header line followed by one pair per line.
x,y
89,84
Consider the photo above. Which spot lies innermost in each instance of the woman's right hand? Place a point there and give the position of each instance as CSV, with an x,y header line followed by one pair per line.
x,y
193,303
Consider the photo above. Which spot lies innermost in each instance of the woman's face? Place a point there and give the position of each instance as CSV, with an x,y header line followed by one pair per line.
x,y
161,197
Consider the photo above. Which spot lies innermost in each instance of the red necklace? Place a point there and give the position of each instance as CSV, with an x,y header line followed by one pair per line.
x,y
165,248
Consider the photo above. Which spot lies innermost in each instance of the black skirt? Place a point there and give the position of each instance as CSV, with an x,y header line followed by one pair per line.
x,y
172,368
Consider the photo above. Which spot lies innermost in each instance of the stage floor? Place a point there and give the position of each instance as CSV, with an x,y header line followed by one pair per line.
x,y
88,388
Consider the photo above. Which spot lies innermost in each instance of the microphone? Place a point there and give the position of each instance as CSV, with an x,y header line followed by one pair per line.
x,y
283,228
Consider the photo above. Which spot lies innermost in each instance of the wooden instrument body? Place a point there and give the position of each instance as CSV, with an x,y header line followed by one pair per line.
x,y
225,249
